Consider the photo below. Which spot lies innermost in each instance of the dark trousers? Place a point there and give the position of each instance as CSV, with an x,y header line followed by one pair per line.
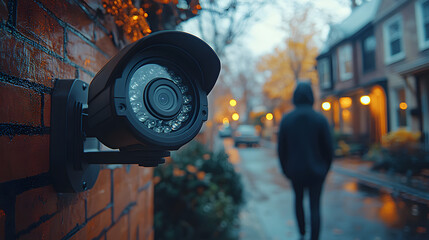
x,y
315,191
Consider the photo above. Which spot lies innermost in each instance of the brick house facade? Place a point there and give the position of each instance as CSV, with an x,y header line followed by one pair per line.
x,y
388,42
351,68
40,41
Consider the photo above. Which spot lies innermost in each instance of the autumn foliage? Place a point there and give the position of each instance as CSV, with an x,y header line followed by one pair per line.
x,y
292,62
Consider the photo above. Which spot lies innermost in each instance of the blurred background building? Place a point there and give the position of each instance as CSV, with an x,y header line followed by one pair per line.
x,y
374,68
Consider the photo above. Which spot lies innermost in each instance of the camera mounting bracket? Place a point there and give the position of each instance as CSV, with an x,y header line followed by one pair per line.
x,y
72,169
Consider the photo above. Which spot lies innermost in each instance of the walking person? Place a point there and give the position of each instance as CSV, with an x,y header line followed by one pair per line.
x,y
305,150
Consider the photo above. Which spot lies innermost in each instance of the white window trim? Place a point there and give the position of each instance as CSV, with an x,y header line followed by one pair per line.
x,y
344,76
423,44
388,59
326,83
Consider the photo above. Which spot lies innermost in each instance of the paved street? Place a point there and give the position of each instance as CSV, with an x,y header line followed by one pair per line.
x,y
350,210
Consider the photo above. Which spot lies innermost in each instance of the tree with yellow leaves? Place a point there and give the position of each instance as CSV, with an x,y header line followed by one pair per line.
x,y
293,62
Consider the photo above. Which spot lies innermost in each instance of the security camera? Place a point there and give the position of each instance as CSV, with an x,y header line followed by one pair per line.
x,y
147,100
153,94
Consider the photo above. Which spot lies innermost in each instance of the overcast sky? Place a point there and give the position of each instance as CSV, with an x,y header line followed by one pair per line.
x,y
266,34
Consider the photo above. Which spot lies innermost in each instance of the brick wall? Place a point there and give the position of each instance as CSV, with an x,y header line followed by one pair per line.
x,y
40,41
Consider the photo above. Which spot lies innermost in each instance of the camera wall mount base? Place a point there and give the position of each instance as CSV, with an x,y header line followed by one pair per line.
x,y
69,172
72,169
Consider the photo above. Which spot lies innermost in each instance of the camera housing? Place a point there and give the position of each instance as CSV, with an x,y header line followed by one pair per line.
x,y
153,94
147,100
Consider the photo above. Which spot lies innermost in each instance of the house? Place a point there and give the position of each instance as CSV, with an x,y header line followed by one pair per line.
x,y
405,30
373,70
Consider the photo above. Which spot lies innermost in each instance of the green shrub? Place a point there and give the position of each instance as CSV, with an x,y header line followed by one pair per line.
x,y
197,196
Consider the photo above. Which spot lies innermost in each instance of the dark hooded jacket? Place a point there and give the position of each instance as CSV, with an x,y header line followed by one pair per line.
x,y
305,145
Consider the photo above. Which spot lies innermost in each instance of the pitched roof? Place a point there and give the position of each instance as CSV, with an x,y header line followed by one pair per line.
x,y
359,18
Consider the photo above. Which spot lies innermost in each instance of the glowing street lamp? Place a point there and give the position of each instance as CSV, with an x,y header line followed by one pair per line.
x,y
365,100
326,106
235,116
269,116
232,102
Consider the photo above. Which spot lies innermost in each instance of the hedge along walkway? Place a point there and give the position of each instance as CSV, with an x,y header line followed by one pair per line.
x,y
415,188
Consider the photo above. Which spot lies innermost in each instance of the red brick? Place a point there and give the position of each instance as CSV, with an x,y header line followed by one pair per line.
x,y
31,63
71,13
151,235
108,22
119,230
84,76
33,204
3,10
71,215
19,105
23,156
138,217
146,175
81,53
94,4
99,196
95,226
37,25
149,208
2,224
125,188
47,110
43,231
105,42
72,211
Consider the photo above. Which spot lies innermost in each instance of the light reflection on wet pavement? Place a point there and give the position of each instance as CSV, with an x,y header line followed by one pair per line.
x,y
350,210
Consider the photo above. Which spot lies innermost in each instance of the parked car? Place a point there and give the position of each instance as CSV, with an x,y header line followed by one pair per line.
x,y
246,134
225,131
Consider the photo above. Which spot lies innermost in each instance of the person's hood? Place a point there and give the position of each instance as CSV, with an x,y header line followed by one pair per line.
x,y
303,94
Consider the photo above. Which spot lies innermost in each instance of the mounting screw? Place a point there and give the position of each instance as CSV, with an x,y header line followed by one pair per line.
x,y
84,185
121,107
84,86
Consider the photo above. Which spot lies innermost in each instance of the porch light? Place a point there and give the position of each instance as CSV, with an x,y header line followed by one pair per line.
x,y
326,106
365,100
403,106
232,102
345,102
235,116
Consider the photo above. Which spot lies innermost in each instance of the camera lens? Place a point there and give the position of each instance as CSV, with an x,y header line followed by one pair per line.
x,y
163,98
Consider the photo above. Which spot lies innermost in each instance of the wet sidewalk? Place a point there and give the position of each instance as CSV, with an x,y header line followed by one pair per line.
x,y
414,187
356,203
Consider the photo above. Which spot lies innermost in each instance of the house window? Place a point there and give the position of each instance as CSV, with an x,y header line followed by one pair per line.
x,y
393,41
324,73
422,17
368,53
345,62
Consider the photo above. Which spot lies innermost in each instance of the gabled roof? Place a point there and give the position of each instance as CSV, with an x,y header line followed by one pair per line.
x,y
358,19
